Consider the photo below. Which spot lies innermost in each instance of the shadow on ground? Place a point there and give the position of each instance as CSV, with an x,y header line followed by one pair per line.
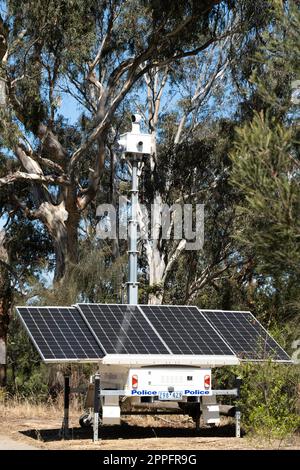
x,y
126,431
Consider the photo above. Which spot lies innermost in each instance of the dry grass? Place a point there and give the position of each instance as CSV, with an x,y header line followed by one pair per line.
x,y
28,408
160,421
17,408
38,424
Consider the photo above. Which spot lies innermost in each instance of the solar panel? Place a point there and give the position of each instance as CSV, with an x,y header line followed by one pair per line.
x,y
91,331
185,330
60,333
122,329
245,335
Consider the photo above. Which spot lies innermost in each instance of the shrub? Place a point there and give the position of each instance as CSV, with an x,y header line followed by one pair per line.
x,y
270,399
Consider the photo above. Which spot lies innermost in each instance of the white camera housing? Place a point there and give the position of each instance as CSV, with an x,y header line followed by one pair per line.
x,y
135,142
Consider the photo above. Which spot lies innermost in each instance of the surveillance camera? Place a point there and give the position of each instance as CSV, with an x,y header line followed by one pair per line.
x,y
136,118
140,144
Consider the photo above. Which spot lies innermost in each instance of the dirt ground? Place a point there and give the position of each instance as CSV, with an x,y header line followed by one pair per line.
x,y
136,433
6,443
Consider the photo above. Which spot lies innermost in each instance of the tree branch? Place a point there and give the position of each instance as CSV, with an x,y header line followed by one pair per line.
x,y
104,41
9,269
174,256
205,277
28,213
33,178
199,96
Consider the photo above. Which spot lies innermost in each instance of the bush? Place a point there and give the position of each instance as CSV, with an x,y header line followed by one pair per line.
x,y
270,399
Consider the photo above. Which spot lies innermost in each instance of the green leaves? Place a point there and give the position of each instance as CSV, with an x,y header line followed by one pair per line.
x,y
266,172
266,168
269,399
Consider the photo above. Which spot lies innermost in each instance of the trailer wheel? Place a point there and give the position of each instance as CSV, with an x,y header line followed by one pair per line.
x,y
86,420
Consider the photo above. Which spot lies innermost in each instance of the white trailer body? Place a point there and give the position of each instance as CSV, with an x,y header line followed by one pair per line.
x,y
157,381
168,383
157,385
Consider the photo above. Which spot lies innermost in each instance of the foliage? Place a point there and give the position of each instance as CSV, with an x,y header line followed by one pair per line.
x,y
95,53
265,174
270,399
95,278
266,171
277,61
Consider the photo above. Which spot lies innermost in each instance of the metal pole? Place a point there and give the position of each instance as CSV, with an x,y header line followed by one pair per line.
x,y
65,425
237,423
123,295
132,285
237,410
96,407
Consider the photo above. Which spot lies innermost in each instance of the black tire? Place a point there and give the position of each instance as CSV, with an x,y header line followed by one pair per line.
x,y
86,420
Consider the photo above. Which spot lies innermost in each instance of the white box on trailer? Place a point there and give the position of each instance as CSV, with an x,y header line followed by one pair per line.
x,y
169,383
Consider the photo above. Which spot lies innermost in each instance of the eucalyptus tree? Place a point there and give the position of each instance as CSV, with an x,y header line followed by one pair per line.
x,y
190,163
5,305
265,166
95,51
98,52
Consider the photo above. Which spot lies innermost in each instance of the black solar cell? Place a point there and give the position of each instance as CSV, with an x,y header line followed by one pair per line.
x,y
91,331
122,329
245,335
60,333
185,330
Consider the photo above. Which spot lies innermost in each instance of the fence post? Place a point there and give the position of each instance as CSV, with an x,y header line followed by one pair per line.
x,y
65,423
237,409
96,407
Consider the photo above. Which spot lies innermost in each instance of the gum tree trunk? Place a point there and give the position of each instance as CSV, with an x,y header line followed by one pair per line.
x,y
61,222
5,307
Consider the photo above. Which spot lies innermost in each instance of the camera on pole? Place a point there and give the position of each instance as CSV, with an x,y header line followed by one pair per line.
x,y
135,143
134,146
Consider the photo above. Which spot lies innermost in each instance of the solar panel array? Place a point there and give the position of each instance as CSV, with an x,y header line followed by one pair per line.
x,y
245,335
185,330
60,333
122,329
88,332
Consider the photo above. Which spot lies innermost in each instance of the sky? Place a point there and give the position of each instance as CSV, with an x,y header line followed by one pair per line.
x,y
70,108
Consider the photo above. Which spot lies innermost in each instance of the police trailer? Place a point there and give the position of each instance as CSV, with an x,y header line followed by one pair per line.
x,y
150,359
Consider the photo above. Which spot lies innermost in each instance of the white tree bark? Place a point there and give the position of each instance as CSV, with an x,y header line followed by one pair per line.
x,y
61,220
55,218
159,261
5,306
3,60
